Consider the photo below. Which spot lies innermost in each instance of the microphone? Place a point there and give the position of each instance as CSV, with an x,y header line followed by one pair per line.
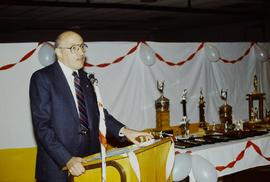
x,y
91,77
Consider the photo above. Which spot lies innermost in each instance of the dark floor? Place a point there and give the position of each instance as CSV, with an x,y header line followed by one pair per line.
x,y
260,174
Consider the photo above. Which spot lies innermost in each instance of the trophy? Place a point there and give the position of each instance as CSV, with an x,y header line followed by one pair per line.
x,y
254,114
267,115
202,122
184,103
225,111
223,95
184,124
162,109
160,86
255,84
253,96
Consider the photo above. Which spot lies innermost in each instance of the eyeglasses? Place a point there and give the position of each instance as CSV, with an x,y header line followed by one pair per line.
x,y
76,48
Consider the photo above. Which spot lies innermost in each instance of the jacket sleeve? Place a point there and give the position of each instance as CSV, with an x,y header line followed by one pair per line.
x,y
113,125
41,110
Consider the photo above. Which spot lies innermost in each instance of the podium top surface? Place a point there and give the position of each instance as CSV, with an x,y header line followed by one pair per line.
x,y
118,153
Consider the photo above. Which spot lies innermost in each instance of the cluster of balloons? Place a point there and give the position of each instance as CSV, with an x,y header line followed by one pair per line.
x,y
46,55
202,169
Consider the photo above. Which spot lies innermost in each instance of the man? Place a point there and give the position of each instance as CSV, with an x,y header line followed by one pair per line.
x,y
67,130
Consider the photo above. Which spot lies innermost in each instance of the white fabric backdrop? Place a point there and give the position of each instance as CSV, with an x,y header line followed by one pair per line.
x,y
129,89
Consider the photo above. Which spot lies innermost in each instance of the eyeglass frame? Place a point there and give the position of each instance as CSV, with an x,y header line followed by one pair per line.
x,y
82,46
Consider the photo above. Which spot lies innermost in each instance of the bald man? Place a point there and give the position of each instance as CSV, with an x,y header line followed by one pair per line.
x,y
62,140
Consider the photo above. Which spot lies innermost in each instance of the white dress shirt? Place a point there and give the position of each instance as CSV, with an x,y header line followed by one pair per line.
x,y
70,79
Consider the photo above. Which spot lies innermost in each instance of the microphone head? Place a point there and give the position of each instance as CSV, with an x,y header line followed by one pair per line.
x,y
91,77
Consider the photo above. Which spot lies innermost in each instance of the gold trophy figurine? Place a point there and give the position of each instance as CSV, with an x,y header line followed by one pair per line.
x,y
184,124
162,105
254,115
255,84
267,116
267,113
253,96
225,111
202,122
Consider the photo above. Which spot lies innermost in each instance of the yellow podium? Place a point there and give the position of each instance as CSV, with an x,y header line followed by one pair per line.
x,y
152,162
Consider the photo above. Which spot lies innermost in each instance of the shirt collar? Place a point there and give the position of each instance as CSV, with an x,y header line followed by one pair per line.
x,y
67,71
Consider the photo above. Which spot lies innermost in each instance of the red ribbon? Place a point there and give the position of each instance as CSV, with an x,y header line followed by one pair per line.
x,y
25,57
102,138
158,56
240,58
187,152
103,65
133,49
241,155
181,62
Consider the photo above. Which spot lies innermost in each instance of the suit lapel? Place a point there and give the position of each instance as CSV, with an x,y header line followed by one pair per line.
x,y
64,88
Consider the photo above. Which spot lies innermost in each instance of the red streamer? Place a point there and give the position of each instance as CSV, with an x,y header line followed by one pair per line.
x,y
240,58
179,63
117,60
241,155
24,58
133,49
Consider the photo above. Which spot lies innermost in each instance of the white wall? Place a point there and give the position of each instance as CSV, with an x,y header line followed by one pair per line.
x,y
129,87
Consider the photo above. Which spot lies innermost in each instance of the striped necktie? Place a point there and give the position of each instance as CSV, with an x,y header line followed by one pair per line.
x,y
81,103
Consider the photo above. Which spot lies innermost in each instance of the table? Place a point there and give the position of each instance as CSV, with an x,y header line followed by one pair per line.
x,y
234,156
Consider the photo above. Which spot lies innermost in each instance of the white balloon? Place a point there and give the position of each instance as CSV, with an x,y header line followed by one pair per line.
x,y
147,55
203,170
182,167
46,54
212,52
261,53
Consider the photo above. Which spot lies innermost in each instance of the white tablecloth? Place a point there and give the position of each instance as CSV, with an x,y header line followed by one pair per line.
x,y
234,156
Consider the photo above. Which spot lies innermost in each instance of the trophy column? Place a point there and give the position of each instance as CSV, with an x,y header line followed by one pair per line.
x,y
225,112
202,122
255,95
184,124
162,105
251,98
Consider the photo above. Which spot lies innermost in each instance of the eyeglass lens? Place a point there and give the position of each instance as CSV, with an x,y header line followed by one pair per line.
x,y
76,48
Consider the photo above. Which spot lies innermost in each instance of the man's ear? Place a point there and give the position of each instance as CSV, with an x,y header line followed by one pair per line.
x,y
58,53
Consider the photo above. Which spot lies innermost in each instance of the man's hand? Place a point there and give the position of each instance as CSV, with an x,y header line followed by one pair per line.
x,y
136,136
75,166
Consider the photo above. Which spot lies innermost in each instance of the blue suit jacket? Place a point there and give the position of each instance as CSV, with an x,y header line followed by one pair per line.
x,y
56,122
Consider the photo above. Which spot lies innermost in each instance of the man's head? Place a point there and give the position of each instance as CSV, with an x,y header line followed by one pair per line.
x,y
70,49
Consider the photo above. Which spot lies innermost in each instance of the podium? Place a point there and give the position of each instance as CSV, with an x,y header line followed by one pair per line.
x,y
152,162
